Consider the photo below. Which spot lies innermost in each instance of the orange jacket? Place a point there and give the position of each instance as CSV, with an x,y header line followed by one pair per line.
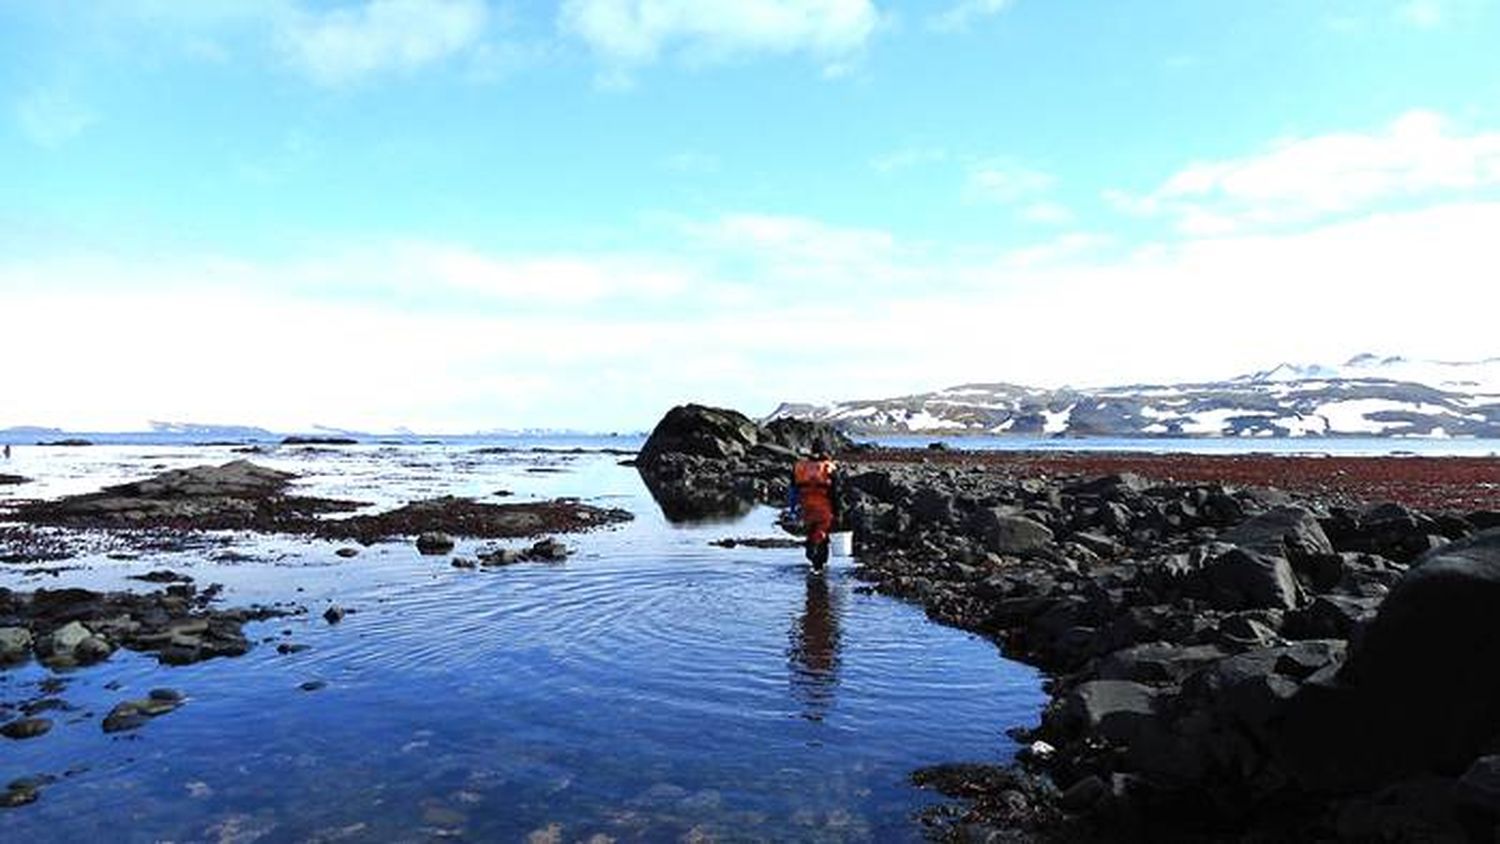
x,y
813,482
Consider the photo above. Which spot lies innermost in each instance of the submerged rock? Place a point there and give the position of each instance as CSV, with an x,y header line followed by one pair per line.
x,y
25,728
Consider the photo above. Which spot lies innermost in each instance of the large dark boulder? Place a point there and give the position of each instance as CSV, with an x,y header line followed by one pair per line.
x,y
692,429
711,463
718,433
1420,693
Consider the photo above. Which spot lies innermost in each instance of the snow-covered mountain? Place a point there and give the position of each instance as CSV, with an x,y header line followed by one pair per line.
x,y
1365,396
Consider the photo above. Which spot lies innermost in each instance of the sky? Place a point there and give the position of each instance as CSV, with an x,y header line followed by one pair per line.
x,y
467,215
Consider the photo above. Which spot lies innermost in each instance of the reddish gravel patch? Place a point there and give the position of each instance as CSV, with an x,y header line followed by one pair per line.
x,y
1458,484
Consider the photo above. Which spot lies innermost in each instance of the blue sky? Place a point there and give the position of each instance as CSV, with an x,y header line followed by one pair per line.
x,y
457,214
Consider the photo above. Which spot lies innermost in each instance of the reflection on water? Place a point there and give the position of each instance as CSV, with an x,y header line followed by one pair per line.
x,y
814,654
695,500
654,687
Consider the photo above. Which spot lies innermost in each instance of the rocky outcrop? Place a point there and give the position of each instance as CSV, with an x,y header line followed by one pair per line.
x,y
237,495
242,495
1198,638
703,463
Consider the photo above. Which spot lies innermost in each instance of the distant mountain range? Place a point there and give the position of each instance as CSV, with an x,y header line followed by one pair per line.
x,y
1365,396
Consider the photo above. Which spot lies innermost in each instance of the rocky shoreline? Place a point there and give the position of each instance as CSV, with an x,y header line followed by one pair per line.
x,y
1227,662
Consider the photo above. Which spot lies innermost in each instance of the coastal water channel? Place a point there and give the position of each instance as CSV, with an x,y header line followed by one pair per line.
x,y
653,687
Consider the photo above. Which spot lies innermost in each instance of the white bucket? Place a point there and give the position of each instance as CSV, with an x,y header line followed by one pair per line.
x,y
841,544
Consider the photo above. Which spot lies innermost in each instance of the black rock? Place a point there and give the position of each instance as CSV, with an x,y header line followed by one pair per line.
x,y
1420,692
25,728
434,543
1289,532
1242,580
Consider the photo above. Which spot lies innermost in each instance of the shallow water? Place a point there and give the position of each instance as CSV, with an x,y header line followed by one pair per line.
x,y
650,688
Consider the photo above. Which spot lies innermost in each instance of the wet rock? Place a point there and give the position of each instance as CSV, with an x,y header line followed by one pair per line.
x,y
162,576
346,552
25,728
91,650
124,716
464,563
548,550
757,542
19,793
313,685
133,714
500,557
434,543
334,614
15,645
291,648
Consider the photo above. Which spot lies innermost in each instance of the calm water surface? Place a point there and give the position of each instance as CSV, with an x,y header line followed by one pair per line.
x,y
651,688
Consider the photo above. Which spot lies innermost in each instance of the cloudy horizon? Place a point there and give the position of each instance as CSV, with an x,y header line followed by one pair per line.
x,y
459,215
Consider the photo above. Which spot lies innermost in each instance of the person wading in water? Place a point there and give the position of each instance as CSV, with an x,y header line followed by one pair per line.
x,y
814,494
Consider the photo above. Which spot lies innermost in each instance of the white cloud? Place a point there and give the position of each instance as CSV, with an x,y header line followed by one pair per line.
x,y
51,118
964,13
1308,179
344,45
636,32
1423,14
1005,182
449,337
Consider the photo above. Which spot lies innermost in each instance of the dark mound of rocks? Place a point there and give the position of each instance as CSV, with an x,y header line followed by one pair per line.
x,y
244,496
9,480
440,519
237,495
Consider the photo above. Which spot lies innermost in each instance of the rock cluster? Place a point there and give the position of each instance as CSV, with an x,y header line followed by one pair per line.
x,y
704,462
1224,660
1217,652
63,628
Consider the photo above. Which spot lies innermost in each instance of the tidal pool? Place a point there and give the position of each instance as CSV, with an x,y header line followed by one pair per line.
x,y
653,687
